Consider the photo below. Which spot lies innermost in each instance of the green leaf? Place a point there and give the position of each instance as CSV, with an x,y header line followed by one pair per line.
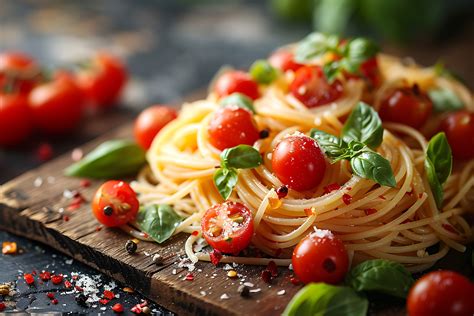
x,y
158,221
332,146
263,72
359,50
371,165
111,159
323,299
363,125
240,100
241,157
381,275
445,100
315,45
225,180
331,70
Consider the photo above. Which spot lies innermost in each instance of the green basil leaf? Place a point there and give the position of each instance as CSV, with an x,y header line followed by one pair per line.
x,y
323,300
331,70
363,125
158,221
225,180
240,100
114,158
435,185
241,157
381,275
332,146
359,50
370,165
315,45
445,100
263,72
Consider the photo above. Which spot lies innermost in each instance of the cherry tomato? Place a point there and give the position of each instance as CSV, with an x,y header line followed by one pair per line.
x,y
228,227
320,257
15,119
369,71
284,60
236,81
459,129
232,126
56,106
298,162
115,203
150,122
21,68
103,81
406,105
443,293
312,89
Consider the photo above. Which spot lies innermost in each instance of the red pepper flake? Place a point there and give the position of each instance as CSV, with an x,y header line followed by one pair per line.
x,y
420,195
409,193
272,267
104,301
215,256
45,276
294,280
2,306
50,295
29,278
85,183
44,152
382,197
347,199
195,233
266,276
143,303
282,191
77,154
309,211
57,279
98,228
450,228
109,294
118,308
75,277
67,284
189,277
136,309
370,211
54,301
78,288
349,188
33,272
66,218
145,235
331,187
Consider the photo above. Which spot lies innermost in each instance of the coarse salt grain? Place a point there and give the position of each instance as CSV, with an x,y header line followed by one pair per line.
x,y
249,284
227,267
224,296
38,182
256,290
203,293
281,292
322,233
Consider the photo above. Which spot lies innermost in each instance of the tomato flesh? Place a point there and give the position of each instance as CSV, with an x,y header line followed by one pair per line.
x,y
298,162
22,68
236,81
406,105
115,203
228,227
443,293
320,257
232,126
150,122
369,70
15,119
459,129
312,89
284,60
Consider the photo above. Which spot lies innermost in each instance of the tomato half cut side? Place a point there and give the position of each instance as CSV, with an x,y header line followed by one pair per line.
x,y
228,227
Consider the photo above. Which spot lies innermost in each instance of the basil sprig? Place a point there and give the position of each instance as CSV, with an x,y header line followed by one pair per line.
x,y
325,299
361,135
238,157
381,275
114,158
351,55
158,221
263,72
445,100
240,100
438,165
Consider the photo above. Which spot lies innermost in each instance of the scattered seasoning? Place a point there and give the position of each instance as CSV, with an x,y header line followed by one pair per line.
x,y
104,301
244,291
264,133
370,211
450,228
224,296
77,154
310,211
118,308
232,273
131,246
282,191
189,277
9,248
44,152
98,228
109,294
67,284
266,276
272,267
158,259
294,280
331,187
81,300
382,197
50,295
2,306
281,292
85,183
57,279
45,276
195,233
108,210
215,256
54,301
128,290
420,195
65,218
78,288
347,199
29,279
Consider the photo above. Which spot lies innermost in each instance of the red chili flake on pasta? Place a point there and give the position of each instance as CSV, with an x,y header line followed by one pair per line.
x,y
347,199
85,183
450,228
370,211
309,211
78,288
266,276
420,195
195,233
45,276
67,284
118,308
44,152
272,267
50,295
54,301
331,187
29,278
282,191
109,294
215,256
349,188
189,277
382,197
104,301
57,279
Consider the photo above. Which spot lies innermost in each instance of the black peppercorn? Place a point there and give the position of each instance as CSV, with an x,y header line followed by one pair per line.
x,y
81,300
108,210
264,133
244,291
131,247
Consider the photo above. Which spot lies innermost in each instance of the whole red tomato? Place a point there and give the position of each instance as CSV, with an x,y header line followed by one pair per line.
x,y
150,122
103,79
459,129
56,106
15,119
19,70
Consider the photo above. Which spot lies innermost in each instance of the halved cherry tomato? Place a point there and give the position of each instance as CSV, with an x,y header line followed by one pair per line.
x,y
15,119
56,106
459,129
298,162
150,122
236,81
369,70
103,80
284,60
320,257
312,89
21,68
228,227
441,293
115,203
406,105
231,126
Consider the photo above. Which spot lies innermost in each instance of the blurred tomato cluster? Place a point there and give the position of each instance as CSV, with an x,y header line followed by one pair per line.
x,y
53,102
